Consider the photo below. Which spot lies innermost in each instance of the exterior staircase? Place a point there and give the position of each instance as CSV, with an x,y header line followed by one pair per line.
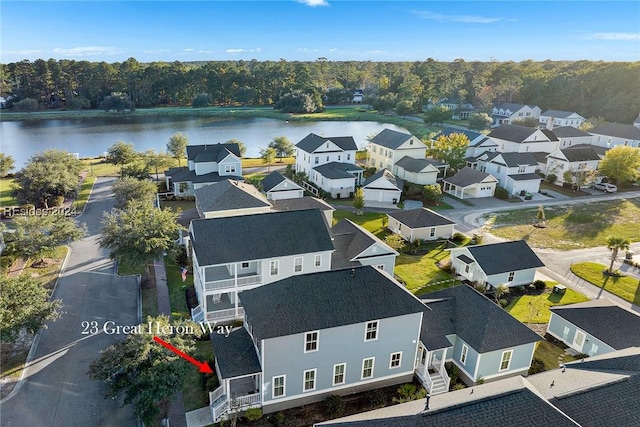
x,y
438,385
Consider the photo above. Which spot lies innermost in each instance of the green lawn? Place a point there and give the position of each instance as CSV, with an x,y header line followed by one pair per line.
x,y
549,353
193,392
570,227
371,221
175,205
85,192
257,162
177,289
535,308
626,287
420,272
6,192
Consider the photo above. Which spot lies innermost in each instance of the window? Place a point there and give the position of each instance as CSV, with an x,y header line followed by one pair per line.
x,y
396,359
411,142
505,361
348,156
432,232
317,160
380,267
273,267
309,380
463,354
338,373
522,169
230,168
297,264
317,260
466,268
512,274
245,265
339,157
498,169
183,187
371,331
278,386
311,341
367,368
327,158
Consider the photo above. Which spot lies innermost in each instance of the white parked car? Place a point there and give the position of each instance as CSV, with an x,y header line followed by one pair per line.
x,y
606,187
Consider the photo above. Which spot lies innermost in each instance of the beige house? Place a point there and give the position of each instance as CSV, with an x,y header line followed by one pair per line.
x,y
389,146
423,224
470,184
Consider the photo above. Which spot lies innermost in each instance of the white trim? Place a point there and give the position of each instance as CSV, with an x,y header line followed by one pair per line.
x,y
301,259
391,360
373,363
500,368
366,329
304,380
273,386
463,354
277,264
317,260
503,373
317,341
344,374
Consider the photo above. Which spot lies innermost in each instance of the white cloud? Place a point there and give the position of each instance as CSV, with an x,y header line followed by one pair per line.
x,y
467,19
188,50
238,51
314,3
613,36
87,51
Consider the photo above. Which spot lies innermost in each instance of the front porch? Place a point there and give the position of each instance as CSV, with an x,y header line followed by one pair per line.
x,y
431,371
219,308
235,395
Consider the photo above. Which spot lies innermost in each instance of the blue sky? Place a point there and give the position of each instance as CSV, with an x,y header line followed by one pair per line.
x,y
305,30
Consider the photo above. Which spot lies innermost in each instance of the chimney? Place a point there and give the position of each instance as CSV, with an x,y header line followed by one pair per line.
x,y
550,123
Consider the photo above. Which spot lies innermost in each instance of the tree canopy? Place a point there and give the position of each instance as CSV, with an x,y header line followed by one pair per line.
x,y
615,244
450,149
437,115
177,145
283,147
268,155
241,146
127,189
479,121
121,153
621,163
6,164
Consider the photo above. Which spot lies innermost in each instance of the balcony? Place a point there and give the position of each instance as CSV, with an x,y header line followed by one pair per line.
x,y
219,278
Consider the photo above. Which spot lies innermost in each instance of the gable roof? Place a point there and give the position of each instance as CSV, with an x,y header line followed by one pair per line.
x,y
618,130
337,170
468,176
495,258
211,152
513,159
302,203
183,174
350,240
228,195
601,318
516,133
233,239
471,135
580,154
557,114
569,132
274,178
476,320
597,148
235,354
385,174
417,165
312,142
420,218
391,138
325,300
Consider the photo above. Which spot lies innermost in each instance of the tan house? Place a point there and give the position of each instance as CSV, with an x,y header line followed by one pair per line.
x,y
470,183
423,224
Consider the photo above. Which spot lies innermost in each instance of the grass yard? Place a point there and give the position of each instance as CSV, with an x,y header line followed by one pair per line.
x,y
99,167
535,308
85,192
6,192
549,354
257,162
371,221
419,272
177,288
48,275
177,205
192,388
626,287
570,227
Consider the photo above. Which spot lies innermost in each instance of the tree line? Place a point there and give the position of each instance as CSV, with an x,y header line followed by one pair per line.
x,y
593,89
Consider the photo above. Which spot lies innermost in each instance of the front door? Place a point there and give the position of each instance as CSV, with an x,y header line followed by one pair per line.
x,y
578,341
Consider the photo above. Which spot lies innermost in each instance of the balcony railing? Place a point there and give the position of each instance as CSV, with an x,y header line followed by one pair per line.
x,y
248,400
197,314
231,283
221,315
215,394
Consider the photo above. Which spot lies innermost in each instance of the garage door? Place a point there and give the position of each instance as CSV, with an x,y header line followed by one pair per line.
x,y
485,191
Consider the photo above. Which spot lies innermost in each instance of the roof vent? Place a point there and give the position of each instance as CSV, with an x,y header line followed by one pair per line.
x,y
353,272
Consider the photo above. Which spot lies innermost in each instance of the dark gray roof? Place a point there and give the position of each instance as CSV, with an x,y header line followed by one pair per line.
x,y
390,138
598,149
521,407
525,177
465,259
183,174
557,114
467,176
438,321
312,142
495,258
569,132
471,135
211,152
540,156
618,130
386,174
300,204
609,323
350,240
235,354
273,179
513,159
337,170
580,154
515,133
228,194
478,321
420,218
416,165
512,106
239,238
325,300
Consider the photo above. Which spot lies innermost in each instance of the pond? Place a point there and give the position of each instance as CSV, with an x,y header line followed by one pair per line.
x,y
91,137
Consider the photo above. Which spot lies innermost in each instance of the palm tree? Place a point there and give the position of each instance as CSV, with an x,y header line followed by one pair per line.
x,y
614,244
500,290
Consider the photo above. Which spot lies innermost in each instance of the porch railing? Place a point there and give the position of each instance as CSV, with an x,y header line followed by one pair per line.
x,y
197,314
248,400
218,410
228,314
445,377
423,374
231,283
216,394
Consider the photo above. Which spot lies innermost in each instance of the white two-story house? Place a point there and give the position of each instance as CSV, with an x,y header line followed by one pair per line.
x,y
390,146
233,254
206,164
552,119
330,163
515,171
613,134
523,139
575,160
507,112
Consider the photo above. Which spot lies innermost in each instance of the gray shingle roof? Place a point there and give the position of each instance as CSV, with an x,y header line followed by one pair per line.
x,y
227,195
420,218
468,176
211,152
350,240
390,138
471,135
235,354
502,257
325,300
416,165
312,142
239,238
183,174
557,114
580,154
618,130
511,106
300,204
540,156
386,174
598,149
273,179
514,159
604,320
515,133
337,170
477,320
569,132
525,177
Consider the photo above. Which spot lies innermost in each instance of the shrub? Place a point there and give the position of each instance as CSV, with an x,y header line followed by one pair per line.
x,y
28,208
459,386
334,406
278,418
78,103
213,383
253,414
551,178
377,399
58,201
27,104
407,390
181,258
432,193
503,302
540,285
202,100
537,365
458,237
501,193
477,239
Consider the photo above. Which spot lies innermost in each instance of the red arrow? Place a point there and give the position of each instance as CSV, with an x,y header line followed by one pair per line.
x,y
204,366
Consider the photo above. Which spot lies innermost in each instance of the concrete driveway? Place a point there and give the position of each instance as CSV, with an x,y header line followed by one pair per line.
x,y
56,390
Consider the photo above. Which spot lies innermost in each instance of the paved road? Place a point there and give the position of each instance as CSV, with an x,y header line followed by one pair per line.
x,y
56,390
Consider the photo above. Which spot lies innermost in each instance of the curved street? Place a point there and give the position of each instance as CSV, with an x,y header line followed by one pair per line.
x,y
56,390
